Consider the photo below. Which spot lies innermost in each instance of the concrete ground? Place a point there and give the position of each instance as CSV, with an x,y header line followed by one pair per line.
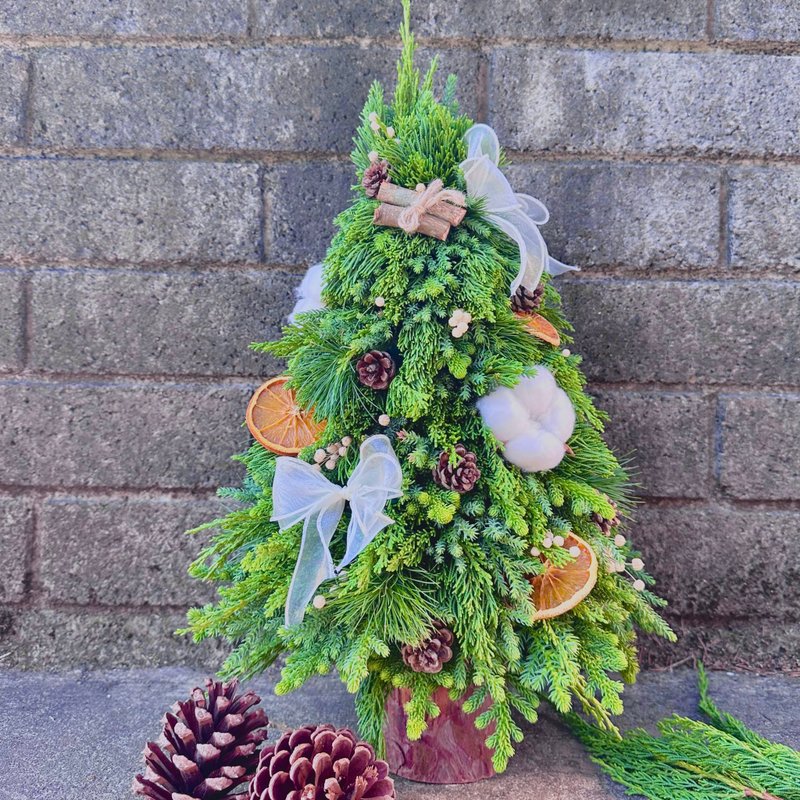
x,y
74,735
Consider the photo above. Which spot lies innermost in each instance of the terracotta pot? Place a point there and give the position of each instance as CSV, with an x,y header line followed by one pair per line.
x,y
452,749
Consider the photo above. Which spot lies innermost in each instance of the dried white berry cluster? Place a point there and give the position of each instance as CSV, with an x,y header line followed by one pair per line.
x,y
459,322
329,456
377,126
557,540
635,565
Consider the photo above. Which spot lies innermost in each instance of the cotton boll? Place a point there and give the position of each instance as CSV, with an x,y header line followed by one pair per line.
x,y
309,292
560,417
535,452
536,393
503,414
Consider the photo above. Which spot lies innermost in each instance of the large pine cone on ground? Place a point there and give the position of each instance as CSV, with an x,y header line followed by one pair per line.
x,y
321,763
460,477
432,653
208,746
376,369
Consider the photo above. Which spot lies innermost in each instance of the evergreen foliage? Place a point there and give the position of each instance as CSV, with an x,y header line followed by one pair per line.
x,y
461,559
723,760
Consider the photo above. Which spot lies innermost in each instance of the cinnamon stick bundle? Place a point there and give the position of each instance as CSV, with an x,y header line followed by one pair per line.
x,y
389,216
400,196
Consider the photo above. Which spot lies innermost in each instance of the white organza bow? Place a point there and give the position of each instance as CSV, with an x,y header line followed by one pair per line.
x,y
517,215
301,492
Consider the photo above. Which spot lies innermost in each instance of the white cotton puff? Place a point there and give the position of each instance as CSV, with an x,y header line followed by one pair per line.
x,y
533,420
309,292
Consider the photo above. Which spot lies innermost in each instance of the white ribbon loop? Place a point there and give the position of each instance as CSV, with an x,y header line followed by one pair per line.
x,y
301,492
517,215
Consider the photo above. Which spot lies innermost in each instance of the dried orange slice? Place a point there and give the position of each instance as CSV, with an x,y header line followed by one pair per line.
x,y
539,327
277,421
558,589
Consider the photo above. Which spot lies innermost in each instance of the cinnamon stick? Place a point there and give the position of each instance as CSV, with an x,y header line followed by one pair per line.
x,y
389,216
400,196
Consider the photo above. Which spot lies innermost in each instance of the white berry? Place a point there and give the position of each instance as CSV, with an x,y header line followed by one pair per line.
x,y
342,451
638,585
375,125
384,419
459,330
535,551
380,302
373,116
319,602
331,462
566,352
558,541
619,540
637,564
373,156
320,455
574,551
390,132
347,440
547,542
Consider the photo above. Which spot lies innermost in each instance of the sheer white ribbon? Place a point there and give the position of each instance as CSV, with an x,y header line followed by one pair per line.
x,y
517,215
302,492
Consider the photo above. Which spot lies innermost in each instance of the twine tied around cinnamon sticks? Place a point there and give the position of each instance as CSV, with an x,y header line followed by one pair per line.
x,y
430,210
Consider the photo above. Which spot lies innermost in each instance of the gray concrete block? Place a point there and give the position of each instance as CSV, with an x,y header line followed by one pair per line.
x,y
685,332
130,552
759,459
125,17
764,213
627,215
645,19
11,321
14,69
70,209
44,638
757,20
121,435
181,323
721,563
303,200
16,529
275,98
584,100
668,437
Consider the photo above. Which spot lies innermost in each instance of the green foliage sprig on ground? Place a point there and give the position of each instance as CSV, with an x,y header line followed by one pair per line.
x,y
463,559
719,760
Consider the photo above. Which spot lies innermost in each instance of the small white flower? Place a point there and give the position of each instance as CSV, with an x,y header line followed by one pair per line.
x,y
638,585
619,540
637,564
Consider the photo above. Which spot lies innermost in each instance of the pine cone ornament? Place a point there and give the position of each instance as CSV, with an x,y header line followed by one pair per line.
x,y
460,477
526,300
376,369
432,653
374,175
207,748
606,525
321,763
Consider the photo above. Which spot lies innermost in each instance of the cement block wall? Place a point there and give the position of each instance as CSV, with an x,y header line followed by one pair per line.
x,y
169,170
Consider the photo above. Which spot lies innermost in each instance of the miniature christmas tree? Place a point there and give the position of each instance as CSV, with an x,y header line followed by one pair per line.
x,y
432,473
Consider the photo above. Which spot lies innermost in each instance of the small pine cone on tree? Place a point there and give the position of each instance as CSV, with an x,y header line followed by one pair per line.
x,y
525,300
374,175
606,525
208,746
462,476
321,763
432,653
376,369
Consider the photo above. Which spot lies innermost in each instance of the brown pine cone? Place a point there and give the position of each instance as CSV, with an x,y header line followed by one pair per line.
x,y
208,746
374,175
376,369
321,763
526,300
604,524
432,653
460,477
